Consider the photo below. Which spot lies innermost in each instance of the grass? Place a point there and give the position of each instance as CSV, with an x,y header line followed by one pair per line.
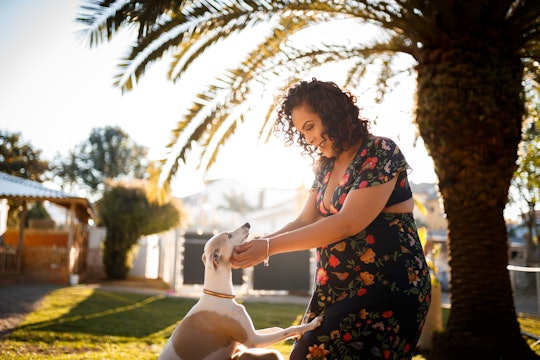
x,y
80,322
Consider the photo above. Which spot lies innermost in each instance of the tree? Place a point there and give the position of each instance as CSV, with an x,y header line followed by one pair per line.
x,y
108,154
236,202
37,211
21,159
127,214
469,59
526,181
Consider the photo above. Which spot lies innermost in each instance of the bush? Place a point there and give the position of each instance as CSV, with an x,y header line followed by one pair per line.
x,y
127,214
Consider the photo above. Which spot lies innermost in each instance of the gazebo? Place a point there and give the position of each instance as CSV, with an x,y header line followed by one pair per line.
x,y
66,255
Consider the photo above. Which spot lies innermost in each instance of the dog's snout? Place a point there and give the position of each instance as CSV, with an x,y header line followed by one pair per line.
x,y
246,225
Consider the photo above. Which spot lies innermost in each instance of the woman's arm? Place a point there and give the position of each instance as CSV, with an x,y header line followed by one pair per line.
x,y
308,215
360,208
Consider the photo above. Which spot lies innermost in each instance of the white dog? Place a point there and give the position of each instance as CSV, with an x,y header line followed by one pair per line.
x,y
217,327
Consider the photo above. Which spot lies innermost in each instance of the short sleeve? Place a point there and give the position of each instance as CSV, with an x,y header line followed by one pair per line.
x,y
380,160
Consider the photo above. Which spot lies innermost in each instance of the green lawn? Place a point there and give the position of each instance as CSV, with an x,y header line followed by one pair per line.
x,y
79,322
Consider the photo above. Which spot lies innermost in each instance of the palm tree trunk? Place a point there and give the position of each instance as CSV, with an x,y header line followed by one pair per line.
x,y
470,119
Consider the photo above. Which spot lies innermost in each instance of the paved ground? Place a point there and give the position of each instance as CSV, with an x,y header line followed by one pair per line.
x,y
17,300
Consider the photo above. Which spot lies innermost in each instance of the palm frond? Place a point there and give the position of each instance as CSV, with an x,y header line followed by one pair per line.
x,y
102,19
187,30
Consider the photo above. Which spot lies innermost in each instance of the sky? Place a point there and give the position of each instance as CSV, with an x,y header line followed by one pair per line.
x,y
54,90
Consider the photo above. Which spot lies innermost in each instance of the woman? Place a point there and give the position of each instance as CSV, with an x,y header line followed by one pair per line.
x,y
372,281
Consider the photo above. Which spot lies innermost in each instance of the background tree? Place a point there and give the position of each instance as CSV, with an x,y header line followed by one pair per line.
x,y
21,159
127,214
469,58
236,203
108,154
37,211
525,189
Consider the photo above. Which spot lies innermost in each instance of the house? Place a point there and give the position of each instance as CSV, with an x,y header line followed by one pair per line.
x,y
42,252
225,204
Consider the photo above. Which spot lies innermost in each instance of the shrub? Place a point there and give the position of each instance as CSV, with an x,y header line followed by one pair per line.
x,y
127,214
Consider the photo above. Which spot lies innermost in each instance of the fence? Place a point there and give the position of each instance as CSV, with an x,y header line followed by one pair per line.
x,y
526,286
45,255
175,257
289,272
8,262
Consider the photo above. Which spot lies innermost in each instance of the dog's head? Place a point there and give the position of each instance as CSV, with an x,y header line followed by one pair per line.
x,y
218,250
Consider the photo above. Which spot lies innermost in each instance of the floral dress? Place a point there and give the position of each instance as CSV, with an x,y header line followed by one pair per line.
x,y
373,288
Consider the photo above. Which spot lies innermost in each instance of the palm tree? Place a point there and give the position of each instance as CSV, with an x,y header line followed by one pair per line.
x,y
470,59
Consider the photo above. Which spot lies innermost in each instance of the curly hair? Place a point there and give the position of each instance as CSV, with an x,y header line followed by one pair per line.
x,y
336,108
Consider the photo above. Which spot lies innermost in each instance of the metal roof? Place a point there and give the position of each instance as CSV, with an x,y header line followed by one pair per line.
x,y
13,187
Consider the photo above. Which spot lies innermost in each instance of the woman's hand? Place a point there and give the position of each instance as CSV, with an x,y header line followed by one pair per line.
x,y
249,254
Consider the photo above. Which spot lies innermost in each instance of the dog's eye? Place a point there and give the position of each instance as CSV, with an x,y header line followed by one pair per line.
x,y
229,235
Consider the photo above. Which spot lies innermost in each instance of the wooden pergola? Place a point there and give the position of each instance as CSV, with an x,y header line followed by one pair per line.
x,y
15,188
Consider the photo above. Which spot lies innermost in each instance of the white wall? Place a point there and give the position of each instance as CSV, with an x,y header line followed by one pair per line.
x,y
4,207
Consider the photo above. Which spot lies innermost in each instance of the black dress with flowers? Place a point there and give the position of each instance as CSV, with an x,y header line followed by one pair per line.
x,y
373,288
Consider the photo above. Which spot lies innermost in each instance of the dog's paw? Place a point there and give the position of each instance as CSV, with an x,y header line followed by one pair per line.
x,y
315,323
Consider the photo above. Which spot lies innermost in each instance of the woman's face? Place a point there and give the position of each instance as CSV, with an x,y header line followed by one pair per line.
x,y
310,125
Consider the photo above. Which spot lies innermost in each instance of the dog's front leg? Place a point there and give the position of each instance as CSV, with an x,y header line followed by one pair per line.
x,y
269,336
268,330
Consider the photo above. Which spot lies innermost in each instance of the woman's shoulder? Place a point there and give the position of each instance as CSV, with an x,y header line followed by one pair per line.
x,y
381,143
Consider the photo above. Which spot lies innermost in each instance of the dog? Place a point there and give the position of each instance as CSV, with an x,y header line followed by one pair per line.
x,y
217,327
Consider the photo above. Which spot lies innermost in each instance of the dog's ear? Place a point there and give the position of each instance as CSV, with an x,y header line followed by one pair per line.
x,y
216,258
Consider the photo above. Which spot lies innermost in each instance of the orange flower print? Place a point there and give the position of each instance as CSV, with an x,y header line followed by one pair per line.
x,y
335,334
343,295
367,278
317,352
341,275
342,198
363,314
387,314
333,261
322,276
340,246
368,257
413,276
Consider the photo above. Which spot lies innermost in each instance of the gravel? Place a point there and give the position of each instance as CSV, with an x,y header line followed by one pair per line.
x,y
17,301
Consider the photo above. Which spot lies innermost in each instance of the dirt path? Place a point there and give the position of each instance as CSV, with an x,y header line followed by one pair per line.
x,y
16,301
